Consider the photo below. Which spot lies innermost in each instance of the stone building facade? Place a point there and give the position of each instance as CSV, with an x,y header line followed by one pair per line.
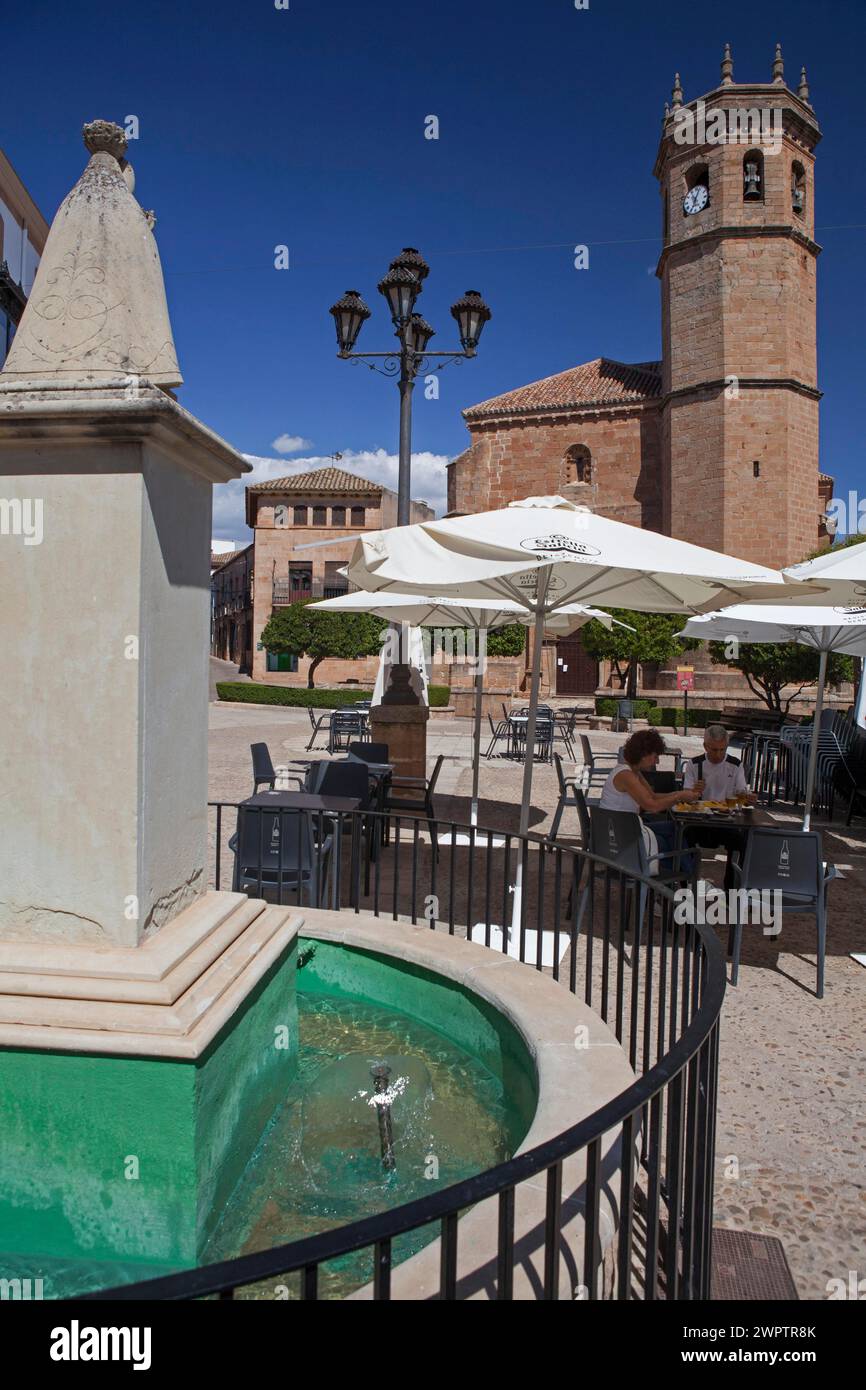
x,y
717,443
291,518
232,606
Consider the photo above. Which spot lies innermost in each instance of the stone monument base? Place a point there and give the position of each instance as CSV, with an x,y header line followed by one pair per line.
x,y
135,1083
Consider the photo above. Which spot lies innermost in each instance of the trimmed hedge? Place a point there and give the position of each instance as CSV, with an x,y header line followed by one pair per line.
x,y
609,705
661,716
669,717
299,695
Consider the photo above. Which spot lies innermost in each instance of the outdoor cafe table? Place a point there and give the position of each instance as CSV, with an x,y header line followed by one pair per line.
x,y
743,820
517,730
313,804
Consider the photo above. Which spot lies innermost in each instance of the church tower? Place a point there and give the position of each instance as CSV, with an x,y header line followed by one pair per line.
x,y
738,275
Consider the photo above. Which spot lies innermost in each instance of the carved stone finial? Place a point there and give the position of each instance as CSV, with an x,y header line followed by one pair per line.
x,y
105,135
803,88
676,92
727,67
778,65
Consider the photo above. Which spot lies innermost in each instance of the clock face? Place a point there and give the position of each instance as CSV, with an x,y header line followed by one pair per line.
x,y
696,199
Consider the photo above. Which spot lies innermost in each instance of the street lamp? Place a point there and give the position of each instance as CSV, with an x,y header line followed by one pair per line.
x,y
401,287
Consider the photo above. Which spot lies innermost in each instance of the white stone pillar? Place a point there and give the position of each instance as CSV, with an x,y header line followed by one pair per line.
x,y
104,622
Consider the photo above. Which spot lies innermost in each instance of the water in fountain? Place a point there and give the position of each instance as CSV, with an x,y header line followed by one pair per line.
x,y
320,1165
340,1139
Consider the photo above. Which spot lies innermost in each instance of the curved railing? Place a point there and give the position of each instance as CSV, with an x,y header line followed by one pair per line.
x,y
657,981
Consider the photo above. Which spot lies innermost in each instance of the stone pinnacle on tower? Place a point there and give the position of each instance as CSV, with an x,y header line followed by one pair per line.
x,y
727,67
778,65
803,88
676,92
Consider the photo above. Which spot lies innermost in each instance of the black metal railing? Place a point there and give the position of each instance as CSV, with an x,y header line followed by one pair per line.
x,y
658,983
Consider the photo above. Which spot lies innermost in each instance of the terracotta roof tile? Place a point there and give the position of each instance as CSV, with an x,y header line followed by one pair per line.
x,y
324,479
600,382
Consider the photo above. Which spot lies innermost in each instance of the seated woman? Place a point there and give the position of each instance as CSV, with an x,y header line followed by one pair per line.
x,y
626,789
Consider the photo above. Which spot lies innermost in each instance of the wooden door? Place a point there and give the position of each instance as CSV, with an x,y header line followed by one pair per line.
x,y
576,673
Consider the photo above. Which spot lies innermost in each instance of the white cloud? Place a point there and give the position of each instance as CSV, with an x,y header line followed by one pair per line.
x,y
290,443
428,482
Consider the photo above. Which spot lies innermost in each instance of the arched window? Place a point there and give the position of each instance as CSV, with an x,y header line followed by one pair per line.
x,y
798,188
753,177
577,465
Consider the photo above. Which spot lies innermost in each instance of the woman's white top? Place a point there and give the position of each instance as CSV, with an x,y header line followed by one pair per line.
x,y
612,799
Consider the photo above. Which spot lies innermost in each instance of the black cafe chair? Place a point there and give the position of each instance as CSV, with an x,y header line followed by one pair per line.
x,y
570,794
317,724
790,863
422,802
348,778
278,858
264,772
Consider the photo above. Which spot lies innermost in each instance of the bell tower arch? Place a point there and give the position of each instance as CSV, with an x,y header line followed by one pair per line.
x,y
738,278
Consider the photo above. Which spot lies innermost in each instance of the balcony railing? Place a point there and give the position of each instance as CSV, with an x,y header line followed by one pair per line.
x,y
284,591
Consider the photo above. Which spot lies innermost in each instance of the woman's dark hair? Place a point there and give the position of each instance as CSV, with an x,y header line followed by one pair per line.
x,y
642,743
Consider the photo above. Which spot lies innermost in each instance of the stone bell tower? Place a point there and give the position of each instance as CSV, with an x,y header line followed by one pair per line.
x,y
738,274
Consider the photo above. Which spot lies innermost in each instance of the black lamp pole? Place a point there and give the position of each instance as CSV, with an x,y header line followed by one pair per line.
x,y
401,287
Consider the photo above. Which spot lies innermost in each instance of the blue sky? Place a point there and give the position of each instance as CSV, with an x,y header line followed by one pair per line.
x,y
305,127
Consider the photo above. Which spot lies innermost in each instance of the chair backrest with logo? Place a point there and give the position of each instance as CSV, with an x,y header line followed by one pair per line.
x,y
618,836
787,860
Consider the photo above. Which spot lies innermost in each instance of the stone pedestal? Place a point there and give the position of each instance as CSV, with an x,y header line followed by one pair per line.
x,y
105,623
135,1083
404,729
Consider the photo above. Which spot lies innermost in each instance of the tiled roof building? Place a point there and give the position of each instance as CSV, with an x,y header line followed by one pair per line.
x,y
304,527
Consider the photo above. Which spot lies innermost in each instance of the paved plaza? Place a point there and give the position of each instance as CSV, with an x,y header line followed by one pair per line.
x,y
791,1138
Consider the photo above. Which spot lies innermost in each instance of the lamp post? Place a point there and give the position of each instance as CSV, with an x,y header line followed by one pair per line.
x,y
401,288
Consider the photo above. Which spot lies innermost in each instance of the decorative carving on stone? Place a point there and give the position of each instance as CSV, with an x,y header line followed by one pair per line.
x,y
97,309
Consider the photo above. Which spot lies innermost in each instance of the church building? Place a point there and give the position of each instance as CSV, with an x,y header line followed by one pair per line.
x,y
718,442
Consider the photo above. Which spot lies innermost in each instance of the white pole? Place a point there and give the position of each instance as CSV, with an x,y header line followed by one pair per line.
x,y
480,660
526,795
813,747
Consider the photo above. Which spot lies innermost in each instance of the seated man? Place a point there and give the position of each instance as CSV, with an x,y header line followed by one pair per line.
x,y
717,776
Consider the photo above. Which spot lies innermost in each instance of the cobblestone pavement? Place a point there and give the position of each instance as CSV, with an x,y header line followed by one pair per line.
x,y
791,1137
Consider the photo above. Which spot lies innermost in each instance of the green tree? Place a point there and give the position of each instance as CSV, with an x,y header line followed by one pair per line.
x,y
507,641
653,639
296,631
770,666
